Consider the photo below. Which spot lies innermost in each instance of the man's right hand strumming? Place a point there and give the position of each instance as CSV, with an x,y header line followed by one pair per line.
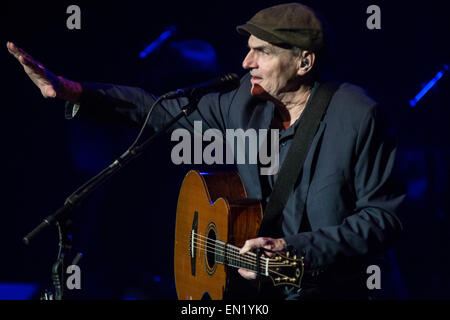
x,y
51,86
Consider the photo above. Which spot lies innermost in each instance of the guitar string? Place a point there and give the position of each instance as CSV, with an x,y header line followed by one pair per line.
x,y
238,256
229,247
230,251
269,270
233,251
252,266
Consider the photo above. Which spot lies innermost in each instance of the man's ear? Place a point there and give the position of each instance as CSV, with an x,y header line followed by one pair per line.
x,y
306,62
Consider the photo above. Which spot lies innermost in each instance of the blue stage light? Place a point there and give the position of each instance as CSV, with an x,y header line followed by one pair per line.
x,y
428,86
152,47
17,291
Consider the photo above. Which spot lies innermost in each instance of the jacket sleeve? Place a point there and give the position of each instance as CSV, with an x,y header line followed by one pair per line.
x,y
102,102
373,225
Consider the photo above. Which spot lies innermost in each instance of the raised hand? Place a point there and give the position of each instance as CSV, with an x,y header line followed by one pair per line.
x,y
50,85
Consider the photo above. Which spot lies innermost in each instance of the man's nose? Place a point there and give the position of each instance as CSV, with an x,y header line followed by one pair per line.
x,y
249,61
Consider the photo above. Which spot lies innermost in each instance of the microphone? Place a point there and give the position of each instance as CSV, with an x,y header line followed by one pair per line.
x,y
226,82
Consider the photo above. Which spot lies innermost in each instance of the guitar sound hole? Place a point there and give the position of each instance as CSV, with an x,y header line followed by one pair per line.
x,y
210,249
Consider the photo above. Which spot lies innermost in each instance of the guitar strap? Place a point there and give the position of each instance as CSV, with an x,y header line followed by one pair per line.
x,y
293,163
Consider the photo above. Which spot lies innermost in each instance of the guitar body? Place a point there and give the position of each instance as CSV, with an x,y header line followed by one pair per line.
x,y
210,207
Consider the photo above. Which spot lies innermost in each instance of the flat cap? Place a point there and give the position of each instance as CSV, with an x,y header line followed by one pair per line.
x,y
291,24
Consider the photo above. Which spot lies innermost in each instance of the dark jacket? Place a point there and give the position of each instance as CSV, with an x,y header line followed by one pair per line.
x,y
346,184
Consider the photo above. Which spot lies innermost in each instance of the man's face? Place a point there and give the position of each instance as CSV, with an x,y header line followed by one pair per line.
x,y
273,68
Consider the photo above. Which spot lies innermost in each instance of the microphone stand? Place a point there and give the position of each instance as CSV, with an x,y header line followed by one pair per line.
x,y
60,217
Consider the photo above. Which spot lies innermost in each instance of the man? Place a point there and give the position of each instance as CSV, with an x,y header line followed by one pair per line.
x,y
342,209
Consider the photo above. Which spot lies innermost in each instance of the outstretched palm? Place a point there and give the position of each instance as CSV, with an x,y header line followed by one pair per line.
x,y
46,81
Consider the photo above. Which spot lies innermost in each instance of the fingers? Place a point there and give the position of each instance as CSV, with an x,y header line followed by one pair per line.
x,y
28,61
249,275
24,58
261,242
250,245
49,92
44,79
12,49
24,61
266,243
16,51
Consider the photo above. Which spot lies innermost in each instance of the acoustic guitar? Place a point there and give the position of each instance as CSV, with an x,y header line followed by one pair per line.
x,y
214,219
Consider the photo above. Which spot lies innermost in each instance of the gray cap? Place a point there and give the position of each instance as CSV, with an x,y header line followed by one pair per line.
x,y
291,24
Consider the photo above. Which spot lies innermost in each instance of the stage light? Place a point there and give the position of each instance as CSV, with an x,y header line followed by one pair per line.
x,y
428,86
155,45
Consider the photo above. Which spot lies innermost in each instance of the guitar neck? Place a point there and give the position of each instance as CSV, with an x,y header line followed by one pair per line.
x,y
229,255
281,269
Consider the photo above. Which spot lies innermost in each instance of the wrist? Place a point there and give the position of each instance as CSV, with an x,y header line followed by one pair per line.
x,y
69,90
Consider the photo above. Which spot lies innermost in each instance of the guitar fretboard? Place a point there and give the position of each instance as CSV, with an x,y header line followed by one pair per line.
x,y
229,255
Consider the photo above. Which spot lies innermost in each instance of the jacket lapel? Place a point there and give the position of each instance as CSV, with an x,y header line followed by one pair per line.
x,y
308,170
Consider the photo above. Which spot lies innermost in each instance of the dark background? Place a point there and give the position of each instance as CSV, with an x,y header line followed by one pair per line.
x,y
126,229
